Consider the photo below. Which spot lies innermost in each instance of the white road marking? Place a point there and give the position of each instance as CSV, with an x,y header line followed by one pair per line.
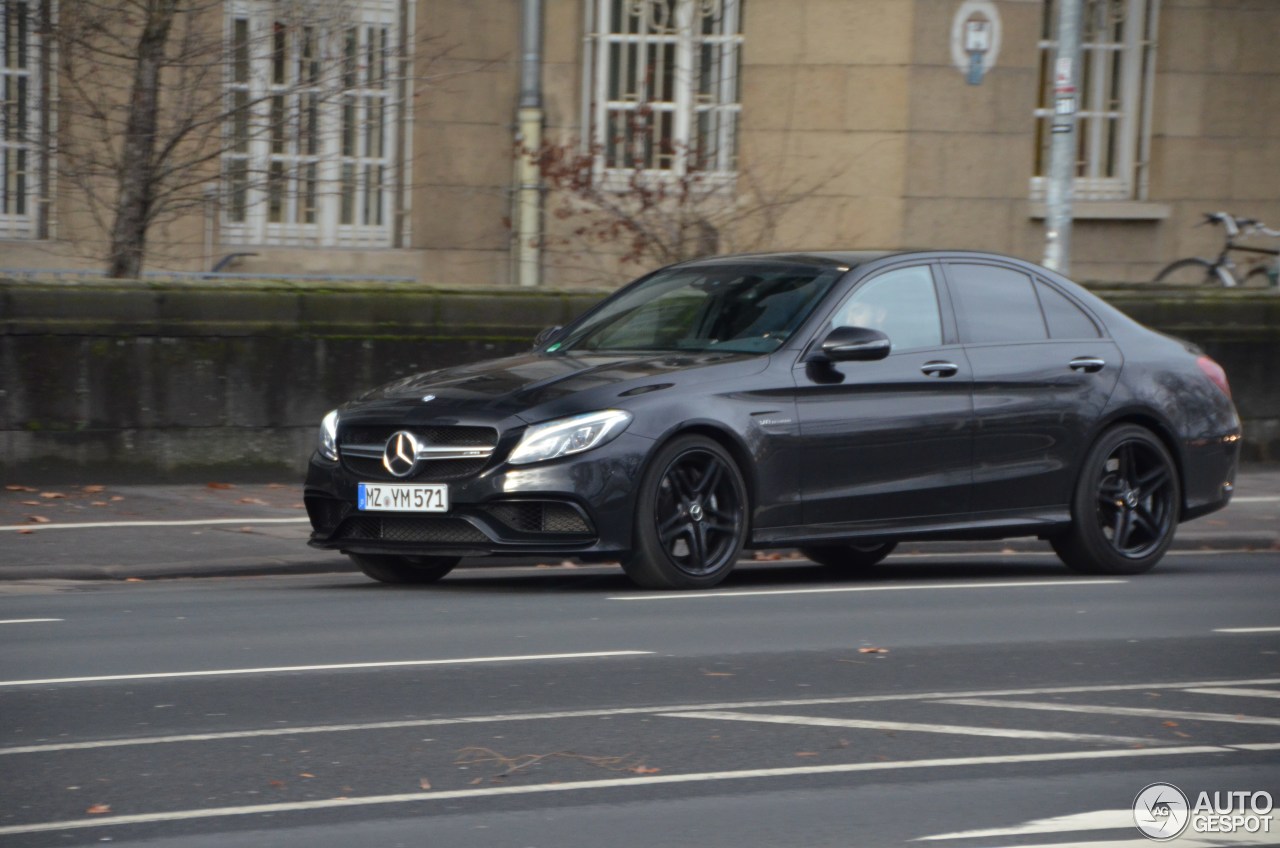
x,y
1240,693
330,667
1096,820
606,713
1259,746
1121,711
1257,499
908,727
1247,630
28,620
612,783
198,522
693,596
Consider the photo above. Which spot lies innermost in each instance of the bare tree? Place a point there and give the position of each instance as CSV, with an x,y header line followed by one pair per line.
x,y
155,95
654,217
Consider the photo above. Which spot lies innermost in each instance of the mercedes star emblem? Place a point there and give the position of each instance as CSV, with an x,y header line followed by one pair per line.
x,y
401,454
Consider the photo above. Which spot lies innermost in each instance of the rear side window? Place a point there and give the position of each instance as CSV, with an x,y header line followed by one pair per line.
x,y
1065,319
995,304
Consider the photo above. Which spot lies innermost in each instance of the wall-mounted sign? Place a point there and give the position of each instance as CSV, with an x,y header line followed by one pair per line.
x,y
975,39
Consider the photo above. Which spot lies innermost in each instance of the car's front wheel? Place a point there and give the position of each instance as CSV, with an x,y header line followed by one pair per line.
x,y
1125,508
404,569
691,517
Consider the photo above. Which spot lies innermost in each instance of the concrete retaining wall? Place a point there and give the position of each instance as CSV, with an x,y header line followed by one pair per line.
x,y
173,381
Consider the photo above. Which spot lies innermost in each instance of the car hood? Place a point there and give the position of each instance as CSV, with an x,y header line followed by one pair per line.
x,y
537,386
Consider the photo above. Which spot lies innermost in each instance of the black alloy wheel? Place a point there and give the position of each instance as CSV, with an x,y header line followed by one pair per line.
x,y
387,568
849,560
1126,505
691,517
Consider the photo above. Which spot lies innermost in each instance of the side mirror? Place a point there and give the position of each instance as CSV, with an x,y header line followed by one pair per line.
x,y
546,335
853,344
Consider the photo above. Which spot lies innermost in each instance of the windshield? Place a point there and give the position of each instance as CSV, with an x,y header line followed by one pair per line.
x,y
732,308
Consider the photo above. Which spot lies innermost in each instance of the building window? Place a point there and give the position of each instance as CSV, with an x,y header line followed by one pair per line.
x,y
24,165
310,140
1117,66
665,78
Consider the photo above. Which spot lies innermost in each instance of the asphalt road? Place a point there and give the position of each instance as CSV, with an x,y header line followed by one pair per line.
x,y
966,699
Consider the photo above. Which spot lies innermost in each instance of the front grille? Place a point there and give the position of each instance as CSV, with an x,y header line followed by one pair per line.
x,y
432,471
540,517
373,440
438,436
401,528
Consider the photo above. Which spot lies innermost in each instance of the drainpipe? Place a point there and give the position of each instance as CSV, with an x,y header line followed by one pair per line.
x,y
527,214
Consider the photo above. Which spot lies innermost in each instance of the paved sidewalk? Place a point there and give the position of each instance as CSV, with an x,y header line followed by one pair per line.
x,y
220,529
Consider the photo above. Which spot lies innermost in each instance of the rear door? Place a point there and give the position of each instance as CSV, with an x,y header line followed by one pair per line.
x,y
1042,374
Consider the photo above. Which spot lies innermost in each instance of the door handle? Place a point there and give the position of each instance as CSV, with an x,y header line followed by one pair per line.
x,y
1091,364
940,369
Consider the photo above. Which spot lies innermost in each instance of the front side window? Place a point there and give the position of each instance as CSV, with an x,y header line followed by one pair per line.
x,y
310,136
902,304
666,85
730,308
1113,90
21,114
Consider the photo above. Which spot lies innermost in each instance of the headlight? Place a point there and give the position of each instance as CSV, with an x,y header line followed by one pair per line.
x,y
569,435
328,440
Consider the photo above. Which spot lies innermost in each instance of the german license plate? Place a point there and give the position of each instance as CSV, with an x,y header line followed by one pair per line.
x,y
404,497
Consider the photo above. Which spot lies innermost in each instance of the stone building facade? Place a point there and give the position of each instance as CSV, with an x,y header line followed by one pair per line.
x,y
818,123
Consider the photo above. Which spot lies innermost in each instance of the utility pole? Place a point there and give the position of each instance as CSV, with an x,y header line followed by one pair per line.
x,y
1062,151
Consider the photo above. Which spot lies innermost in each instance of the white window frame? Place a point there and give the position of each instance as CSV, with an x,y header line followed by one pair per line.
x,y
1114,82
339,190
672,34
23,200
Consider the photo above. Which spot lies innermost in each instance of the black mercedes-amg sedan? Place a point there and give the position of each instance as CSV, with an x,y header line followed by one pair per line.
x,y
837,402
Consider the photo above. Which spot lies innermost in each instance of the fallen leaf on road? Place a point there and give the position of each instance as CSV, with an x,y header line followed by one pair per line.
x,y
806,753
477,780
134,580
98,503
716,674
276,486
93,490
298,506
24,532
1183,735
278,784
255,501
37,519
1170,724
17,488
220,485
52,496
98,809
306,774
873,650
32,503
644,770
117,497
424,783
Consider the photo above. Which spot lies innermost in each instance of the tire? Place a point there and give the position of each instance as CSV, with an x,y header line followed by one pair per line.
x,y
849,559
691,517
1195,272
1260,278
1126,505
404,569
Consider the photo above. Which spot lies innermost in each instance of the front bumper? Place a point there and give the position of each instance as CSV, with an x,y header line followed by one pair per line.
x,y
578,506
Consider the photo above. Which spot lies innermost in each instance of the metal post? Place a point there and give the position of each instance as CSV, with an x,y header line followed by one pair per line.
x,y
1062,152
528,201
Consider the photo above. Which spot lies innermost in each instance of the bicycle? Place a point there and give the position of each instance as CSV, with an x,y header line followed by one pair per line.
x,y
1223,270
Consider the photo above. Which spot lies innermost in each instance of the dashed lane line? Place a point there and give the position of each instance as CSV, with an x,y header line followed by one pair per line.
x,y
908,727
29,620
611,712
196,522
1247,630
614,783
1239,693
1120,711
222,672
977,584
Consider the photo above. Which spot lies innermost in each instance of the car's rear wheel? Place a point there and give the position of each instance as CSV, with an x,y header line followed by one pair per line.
x,y
1126,504
849,559
691,517
404,569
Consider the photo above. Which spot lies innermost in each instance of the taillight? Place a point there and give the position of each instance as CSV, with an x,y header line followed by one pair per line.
x,y
1214,372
